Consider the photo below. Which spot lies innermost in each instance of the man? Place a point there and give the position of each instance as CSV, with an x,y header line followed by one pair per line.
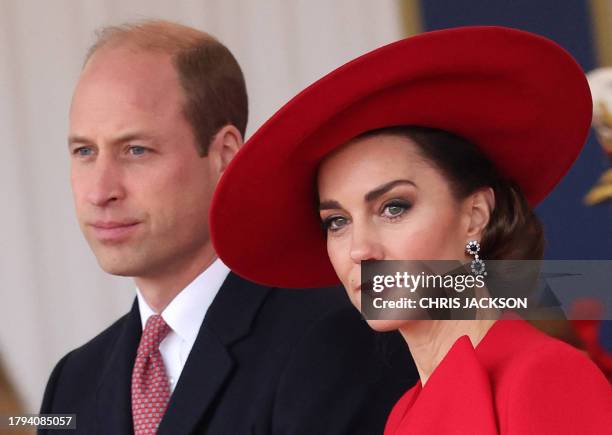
x,y
158,113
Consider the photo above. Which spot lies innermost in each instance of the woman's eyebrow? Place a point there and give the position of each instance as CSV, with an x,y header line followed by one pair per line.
x,y
329,205
375,193
370,196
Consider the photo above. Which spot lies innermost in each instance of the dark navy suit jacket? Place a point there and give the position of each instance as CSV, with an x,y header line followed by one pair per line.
x,y
266,361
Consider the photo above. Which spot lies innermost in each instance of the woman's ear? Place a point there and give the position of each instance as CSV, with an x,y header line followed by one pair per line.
x,y
224,147
480,206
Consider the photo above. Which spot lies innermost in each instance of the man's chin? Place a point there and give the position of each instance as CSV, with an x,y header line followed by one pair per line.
x,y
118,267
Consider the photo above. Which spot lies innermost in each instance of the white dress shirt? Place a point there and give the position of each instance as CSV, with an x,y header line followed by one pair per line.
x,y
184,315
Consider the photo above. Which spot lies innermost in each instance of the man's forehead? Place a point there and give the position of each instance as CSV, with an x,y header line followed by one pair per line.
x,y
119,76
130,69
125,57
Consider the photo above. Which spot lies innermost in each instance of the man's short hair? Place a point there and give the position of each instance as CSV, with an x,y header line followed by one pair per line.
x,y
209,75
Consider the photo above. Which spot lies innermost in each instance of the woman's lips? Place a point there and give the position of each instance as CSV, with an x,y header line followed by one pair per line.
x,y
113,231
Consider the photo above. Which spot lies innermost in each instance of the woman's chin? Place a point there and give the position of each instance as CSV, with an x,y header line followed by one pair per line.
x,y
386,325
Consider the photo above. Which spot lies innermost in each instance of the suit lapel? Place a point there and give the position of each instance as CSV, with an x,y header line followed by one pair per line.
x,y
210,362
205,370
113,401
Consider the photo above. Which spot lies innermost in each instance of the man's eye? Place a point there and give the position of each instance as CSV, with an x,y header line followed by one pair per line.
x,y
137,150
83,152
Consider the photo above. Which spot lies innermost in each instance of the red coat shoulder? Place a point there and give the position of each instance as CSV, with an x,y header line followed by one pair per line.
x,y
518,380
553,388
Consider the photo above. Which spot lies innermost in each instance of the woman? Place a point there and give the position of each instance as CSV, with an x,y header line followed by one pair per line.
x,y
414,151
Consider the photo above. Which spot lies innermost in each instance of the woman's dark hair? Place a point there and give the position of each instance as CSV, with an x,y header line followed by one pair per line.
x,y
514,232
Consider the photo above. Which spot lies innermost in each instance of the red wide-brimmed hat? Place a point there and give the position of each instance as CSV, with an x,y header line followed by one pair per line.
x,y
518,96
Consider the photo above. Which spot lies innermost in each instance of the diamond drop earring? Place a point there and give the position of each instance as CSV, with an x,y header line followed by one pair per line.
x,y
478,266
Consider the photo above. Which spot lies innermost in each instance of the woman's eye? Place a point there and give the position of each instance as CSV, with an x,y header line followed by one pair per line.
x,y
334,223
395,209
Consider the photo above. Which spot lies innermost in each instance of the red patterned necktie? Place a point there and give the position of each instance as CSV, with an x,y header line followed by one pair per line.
x,y
150,389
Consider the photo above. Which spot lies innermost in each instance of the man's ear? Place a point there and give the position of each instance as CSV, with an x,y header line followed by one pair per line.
x,y
479,207
223,147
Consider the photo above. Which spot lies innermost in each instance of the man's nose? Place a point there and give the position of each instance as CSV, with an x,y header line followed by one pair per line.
x,y
106,183
365,244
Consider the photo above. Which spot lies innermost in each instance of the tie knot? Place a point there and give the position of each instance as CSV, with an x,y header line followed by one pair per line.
x,y
155,331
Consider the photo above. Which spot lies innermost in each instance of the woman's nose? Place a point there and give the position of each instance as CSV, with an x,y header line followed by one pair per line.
x,y
365,245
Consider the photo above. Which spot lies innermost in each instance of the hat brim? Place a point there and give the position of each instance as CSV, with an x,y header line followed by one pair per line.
x,y
518,96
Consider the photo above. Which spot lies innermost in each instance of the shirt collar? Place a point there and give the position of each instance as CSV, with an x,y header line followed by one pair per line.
x,y
186,311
